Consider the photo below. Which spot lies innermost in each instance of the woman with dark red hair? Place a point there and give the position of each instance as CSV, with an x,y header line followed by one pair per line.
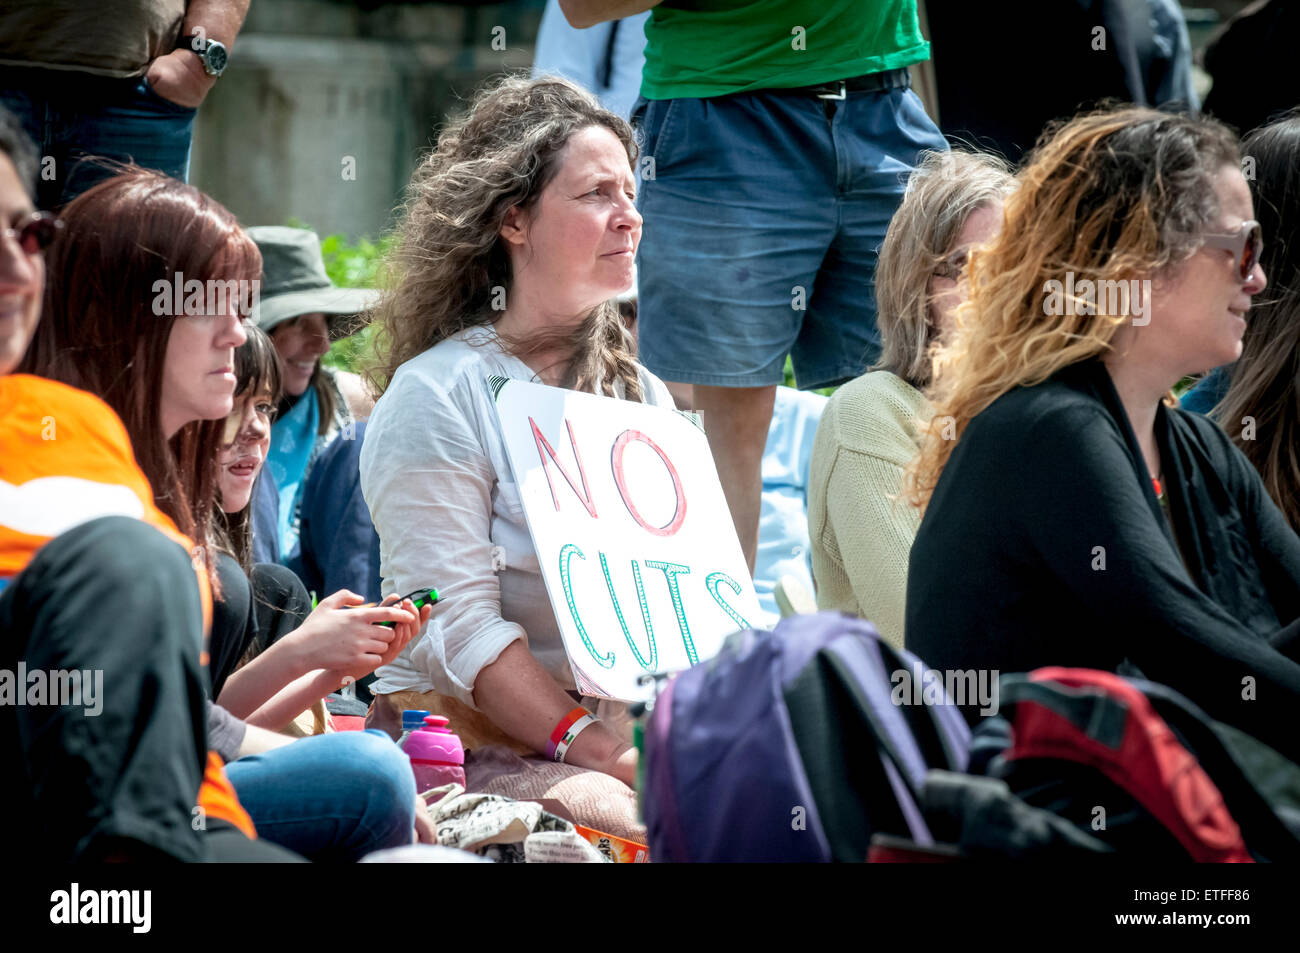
x,y
145,313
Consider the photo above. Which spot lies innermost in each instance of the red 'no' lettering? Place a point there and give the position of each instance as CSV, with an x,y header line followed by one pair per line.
x,y
616,461
544,449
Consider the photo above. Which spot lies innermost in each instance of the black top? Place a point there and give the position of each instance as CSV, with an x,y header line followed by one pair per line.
x,y
1044,544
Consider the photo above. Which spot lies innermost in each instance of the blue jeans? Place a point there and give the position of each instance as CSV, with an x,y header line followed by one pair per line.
x,y
333,797
72,116
762,225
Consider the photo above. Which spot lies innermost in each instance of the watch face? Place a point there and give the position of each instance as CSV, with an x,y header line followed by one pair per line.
x,y
216,58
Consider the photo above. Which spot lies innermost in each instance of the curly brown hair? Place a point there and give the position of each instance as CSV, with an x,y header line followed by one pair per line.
x,y
449,257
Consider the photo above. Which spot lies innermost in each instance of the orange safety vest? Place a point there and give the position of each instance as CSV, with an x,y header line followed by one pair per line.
x,y
65,459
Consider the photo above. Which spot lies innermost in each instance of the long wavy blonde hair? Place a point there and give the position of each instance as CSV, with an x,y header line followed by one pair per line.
x,y
943,191
449,259
1118,194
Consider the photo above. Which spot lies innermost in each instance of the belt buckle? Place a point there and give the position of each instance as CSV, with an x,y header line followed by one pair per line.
x,y
842,94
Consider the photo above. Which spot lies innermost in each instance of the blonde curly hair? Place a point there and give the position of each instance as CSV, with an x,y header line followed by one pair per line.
x,y
1113,195
449,258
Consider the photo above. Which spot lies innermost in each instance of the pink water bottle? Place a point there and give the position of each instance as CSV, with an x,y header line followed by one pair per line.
x,y
437,756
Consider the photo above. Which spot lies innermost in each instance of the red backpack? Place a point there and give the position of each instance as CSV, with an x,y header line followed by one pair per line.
x,y
1105,722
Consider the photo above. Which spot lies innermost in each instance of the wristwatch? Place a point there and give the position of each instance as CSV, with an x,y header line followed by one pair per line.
x,y
213,55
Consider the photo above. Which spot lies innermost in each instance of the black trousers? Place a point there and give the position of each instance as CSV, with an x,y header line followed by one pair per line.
x,y
280,603
226,844
117,774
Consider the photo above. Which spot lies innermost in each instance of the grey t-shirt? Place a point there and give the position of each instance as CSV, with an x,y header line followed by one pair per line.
x,y
225,732
108,37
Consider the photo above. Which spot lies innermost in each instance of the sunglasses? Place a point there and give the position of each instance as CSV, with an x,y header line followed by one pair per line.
x,y
952,265
1246,244
34,232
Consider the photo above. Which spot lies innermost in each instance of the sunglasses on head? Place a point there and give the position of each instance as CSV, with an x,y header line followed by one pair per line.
x,y
35,231
1246,245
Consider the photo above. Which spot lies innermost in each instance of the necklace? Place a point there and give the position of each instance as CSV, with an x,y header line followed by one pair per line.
x,y
1158,485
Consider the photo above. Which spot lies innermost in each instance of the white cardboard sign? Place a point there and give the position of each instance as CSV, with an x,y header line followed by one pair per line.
x,y
632,531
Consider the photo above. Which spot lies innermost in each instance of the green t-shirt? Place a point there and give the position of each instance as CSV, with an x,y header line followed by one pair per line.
x,y
701,48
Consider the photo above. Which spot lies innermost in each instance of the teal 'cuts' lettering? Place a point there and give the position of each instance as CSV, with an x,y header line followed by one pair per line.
x,y
652,662
711,583
566,554
671,571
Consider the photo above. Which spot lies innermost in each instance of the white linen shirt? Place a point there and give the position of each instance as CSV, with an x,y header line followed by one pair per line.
x,y
443,497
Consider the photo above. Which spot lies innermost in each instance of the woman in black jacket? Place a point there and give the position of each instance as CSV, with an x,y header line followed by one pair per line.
x,y
1073,516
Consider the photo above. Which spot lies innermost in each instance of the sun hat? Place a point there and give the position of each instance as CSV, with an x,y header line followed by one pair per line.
x,y
294,282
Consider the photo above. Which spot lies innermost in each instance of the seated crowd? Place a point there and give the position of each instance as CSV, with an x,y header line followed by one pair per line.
x,y
1012,485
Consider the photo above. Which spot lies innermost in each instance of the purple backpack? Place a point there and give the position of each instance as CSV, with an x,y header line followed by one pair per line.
x,y
795,745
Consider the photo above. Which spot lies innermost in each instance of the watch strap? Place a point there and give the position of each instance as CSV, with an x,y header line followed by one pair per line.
x,y
186,42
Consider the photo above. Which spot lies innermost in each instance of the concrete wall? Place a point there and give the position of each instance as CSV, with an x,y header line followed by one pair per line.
x,y
325,107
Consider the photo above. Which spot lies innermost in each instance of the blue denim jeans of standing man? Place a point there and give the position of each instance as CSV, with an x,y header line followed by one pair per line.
x,y
763,221
74,116
334,797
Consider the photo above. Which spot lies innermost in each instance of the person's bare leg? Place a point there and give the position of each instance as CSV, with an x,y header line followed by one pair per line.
x,y
683,395
736,420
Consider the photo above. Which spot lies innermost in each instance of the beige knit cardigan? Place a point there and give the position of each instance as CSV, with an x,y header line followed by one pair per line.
x,y
861,533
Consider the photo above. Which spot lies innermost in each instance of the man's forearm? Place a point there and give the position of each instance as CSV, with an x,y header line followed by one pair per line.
x,y
220,20
584,13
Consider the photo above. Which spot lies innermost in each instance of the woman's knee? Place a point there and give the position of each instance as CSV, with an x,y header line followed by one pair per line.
x,y
123,550
371,763
280,601
111,571
384,784
280,587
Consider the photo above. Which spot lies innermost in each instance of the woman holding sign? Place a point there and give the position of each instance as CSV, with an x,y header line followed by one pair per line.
x,y
519,234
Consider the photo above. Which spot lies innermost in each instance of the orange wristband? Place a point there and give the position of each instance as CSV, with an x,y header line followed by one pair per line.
x,y
566,731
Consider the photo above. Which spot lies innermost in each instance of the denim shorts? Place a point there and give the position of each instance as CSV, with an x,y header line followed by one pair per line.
x,y
764,213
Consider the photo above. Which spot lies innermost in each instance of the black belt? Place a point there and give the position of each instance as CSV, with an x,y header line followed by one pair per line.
x,y
840,88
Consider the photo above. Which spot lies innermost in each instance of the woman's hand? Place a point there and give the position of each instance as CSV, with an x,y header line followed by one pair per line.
x,y
426,832
347,640
404,631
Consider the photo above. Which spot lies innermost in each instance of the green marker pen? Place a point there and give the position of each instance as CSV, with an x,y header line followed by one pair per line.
x,y
421,598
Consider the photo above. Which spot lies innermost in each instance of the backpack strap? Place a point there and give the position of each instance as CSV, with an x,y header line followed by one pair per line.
x,y
945,737
984,819
910,739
